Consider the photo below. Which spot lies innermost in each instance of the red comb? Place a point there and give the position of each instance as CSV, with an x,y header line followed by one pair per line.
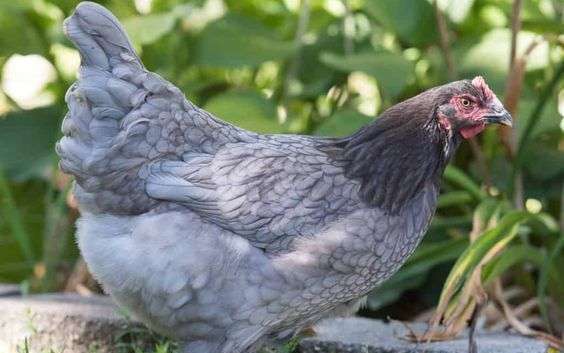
x,y
481,84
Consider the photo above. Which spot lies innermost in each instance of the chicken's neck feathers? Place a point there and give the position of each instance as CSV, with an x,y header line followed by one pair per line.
x,y
396,156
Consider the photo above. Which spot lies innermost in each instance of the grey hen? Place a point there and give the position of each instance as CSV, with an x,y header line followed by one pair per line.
x,y
225,239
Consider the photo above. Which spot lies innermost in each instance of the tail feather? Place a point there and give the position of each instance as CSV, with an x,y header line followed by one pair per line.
x,y
99,37
107,91
122,118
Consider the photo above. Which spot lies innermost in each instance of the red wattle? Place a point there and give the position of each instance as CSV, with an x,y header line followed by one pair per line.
x,y
469,132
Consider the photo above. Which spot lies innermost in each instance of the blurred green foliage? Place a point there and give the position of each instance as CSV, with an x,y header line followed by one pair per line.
x,y
314,67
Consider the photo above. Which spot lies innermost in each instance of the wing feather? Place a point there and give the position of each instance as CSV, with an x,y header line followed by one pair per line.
x,y
264,191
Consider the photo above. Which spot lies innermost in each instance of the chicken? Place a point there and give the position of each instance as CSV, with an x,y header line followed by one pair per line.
x,y
225,239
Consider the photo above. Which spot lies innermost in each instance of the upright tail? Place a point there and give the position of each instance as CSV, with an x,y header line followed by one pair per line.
x,y
100,38
122,118
112,106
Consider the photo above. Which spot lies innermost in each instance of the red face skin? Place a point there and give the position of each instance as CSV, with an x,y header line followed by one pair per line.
x,y
472,109
472,112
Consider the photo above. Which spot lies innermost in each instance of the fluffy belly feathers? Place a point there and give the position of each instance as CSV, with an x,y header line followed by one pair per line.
x,y
170,270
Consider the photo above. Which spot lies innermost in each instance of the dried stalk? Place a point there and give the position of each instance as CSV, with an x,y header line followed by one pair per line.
x,y
472,346
518,325
513,90
81,280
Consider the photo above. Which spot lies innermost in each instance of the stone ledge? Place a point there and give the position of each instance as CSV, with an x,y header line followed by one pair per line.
x,y
61,323
359,335
72,324
7,290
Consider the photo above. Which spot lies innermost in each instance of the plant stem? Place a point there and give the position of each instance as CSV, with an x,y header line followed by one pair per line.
x,y
294,65
515,29
445,41
348,29
513,88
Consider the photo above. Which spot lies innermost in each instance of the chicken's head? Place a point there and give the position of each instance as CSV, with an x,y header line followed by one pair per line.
x,y
471,106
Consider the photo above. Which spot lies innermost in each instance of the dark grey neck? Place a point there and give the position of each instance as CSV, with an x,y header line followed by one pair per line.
x,y
396,156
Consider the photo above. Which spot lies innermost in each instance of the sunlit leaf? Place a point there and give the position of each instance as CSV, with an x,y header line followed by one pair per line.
x,y
392,71
343,123
456,10
150,28
246,109
236,41
412,20
490,56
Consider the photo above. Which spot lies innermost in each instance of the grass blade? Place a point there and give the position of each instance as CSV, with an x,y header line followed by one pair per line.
x,y
455,198
14,219
543,277
458,177
498,236
509,258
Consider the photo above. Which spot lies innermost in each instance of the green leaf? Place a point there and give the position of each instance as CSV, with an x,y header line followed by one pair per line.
x,y
458,177
389,292
29,138
544,163
430,255
413,21
343,123
457,10
247,109
11,213
500,235
392,71
440,223
509,258
236,41
543,26
454,198
491,54
316,77
148,29
546,269
547,122
486,211
18,32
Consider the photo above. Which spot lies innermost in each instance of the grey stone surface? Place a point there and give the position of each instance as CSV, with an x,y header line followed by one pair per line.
x,y
73,324
63,323
9,290
357,335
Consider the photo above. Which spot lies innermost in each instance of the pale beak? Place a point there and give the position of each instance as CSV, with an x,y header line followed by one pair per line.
x,y
498,115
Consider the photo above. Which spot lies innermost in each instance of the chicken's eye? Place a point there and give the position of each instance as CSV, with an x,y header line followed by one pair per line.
x,y
465,102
